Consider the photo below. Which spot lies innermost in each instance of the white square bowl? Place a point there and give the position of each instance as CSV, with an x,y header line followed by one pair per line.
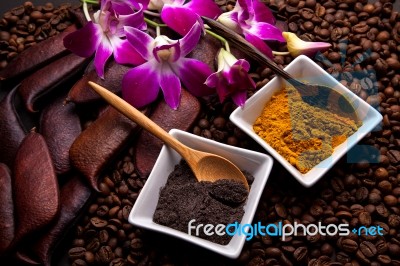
x,y
257,164
305,69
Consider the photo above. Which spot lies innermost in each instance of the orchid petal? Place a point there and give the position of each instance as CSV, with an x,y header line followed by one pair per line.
x,y
212,80
135,20
140,41
140,86
193,74
171,86
262,13
239,98
180,19
296,46
104,51
122,8
230,19
190,40
259,44
243,64
243,7
207,8
125,53
222,89
239,77
266,31
84,41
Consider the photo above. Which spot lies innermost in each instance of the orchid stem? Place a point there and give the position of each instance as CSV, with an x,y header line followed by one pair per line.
x,y
93,2
154,24
280,53
86,11
220,38
151,13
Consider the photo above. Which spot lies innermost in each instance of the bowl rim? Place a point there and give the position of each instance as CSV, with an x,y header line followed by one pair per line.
x,y
311,177
230,250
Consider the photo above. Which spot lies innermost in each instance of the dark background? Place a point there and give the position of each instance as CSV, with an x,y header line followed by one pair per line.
x,y
6,5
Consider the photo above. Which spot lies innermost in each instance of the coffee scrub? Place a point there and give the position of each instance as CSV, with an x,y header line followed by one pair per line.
x,y
183,199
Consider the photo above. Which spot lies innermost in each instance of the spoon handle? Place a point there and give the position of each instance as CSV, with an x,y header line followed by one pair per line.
x,y
249,49
139,118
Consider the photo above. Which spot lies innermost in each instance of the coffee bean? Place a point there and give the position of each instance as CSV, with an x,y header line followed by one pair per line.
x,y
273,252
300,253
104,255
79,262
98,223
77,253
360,28
394,220
368,249
281,210
365,218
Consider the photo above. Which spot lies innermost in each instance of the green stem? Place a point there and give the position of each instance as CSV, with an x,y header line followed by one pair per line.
x,y
280,53
93,2
220,38
154,24
151,13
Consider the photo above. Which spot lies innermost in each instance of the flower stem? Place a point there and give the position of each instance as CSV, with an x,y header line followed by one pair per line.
x,y
155,25
151,13
86,11
220,38
280,53
93,2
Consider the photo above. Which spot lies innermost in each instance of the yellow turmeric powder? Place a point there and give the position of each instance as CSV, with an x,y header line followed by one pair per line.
x,y
303,134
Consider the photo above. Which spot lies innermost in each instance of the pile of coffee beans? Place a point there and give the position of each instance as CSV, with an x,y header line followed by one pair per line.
x,y
26,25
105,237
365,42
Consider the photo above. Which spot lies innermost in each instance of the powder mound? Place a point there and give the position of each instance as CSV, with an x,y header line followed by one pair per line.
x,y
304,135
228,191
183,199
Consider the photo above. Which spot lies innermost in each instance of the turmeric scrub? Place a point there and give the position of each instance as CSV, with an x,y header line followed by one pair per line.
x,y
303,134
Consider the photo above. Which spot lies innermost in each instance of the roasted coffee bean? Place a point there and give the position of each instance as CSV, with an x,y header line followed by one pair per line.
x,y
98,223
36,57
77,253
300,253
348,245
11,130
49,77
368,249
35,187
101,141
273,252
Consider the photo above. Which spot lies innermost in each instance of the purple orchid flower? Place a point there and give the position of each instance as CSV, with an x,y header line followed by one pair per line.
x,y
255,21
166,66
105,35
231,79
181,16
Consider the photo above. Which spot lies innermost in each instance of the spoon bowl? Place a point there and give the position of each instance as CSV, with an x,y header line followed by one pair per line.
x,y
313,94
205,166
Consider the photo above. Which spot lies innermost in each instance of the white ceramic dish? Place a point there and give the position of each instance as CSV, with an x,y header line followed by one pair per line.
x,y
257,164
305,69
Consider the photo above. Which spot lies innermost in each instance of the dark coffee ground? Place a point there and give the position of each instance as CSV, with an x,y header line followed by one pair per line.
x,y
183,199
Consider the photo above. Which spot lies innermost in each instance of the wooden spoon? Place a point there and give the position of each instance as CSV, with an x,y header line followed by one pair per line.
x,y
313,94
205,166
